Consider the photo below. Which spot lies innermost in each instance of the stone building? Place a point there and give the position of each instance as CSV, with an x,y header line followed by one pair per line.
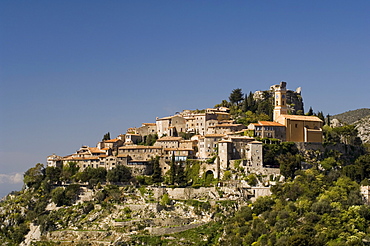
x,y
268,129
208,145
140,152
168,142
132,138
225,128
301,128
54,160
146,129
242,148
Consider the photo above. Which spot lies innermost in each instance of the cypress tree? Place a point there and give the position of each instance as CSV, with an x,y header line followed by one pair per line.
x,y
157,172
173,169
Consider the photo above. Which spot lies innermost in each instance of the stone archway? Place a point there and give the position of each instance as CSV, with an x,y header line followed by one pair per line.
x,y
209,176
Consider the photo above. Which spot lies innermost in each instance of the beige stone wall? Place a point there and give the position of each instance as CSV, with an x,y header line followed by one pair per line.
x,y
141,152
179,123
313,136
224,155
207,147
295,131
162,126
168,144
146,130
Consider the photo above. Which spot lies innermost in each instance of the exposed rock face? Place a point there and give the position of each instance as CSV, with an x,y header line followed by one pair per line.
x,y
363,128
294,101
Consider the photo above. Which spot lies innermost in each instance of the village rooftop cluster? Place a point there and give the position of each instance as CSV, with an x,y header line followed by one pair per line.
x,y
209,135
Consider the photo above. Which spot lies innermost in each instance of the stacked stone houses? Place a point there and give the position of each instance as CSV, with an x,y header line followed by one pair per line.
x,y
211,138
208,132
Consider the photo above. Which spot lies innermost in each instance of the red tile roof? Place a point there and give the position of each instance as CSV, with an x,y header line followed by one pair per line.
x,y
112,140
268,123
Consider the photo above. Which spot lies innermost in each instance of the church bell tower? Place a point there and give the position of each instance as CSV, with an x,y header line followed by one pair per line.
x,y
280,100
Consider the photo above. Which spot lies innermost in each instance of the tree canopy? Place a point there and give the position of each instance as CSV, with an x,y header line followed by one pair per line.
x,y
236,96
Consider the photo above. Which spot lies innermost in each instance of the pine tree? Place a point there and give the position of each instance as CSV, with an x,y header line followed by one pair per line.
x,y
251,102
321,116
236,96
180,177
328,119
310,112
245,106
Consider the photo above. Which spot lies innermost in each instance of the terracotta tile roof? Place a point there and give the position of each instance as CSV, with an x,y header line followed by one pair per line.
x,y
241,137
76,158
149,124
139,147
301,117
178,149
122,155
112,140
165,118
268,123
167,138
227,124
96,150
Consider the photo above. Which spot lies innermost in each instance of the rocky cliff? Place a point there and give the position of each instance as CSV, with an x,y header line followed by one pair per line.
x,y
363,128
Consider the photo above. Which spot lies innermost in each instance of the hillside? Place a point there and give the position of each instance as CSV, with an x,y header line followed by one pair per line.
x,y
238,191
350,117
360,118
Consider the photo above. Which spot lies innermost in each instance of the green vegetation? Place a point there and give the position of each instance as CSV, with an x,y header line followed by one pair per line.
x,y
345,134
310,210
352,116
245,109
119,174
272,152
313,209
106,136
319,206
149,140
176,174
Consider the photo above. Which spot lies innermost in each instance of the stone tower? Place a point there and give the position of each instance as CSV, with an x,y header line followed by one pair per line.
x,y
279,100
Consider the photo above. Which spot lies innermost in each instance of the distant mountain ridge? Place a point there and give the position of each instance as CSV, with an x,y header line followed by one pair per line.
x,y
350,117
360,118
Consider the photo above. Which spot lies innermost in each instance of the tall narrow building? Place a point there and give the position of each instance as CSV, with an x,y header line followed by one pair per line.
x,y
280,100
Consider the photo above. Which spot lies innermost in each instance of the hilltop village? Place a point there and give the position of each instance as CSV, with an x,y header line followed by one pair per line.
x,y
203,177
210,136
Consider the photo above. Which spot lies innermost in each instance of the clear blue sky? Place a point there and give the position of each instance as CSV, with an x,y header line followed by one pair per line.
x,y
71,71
